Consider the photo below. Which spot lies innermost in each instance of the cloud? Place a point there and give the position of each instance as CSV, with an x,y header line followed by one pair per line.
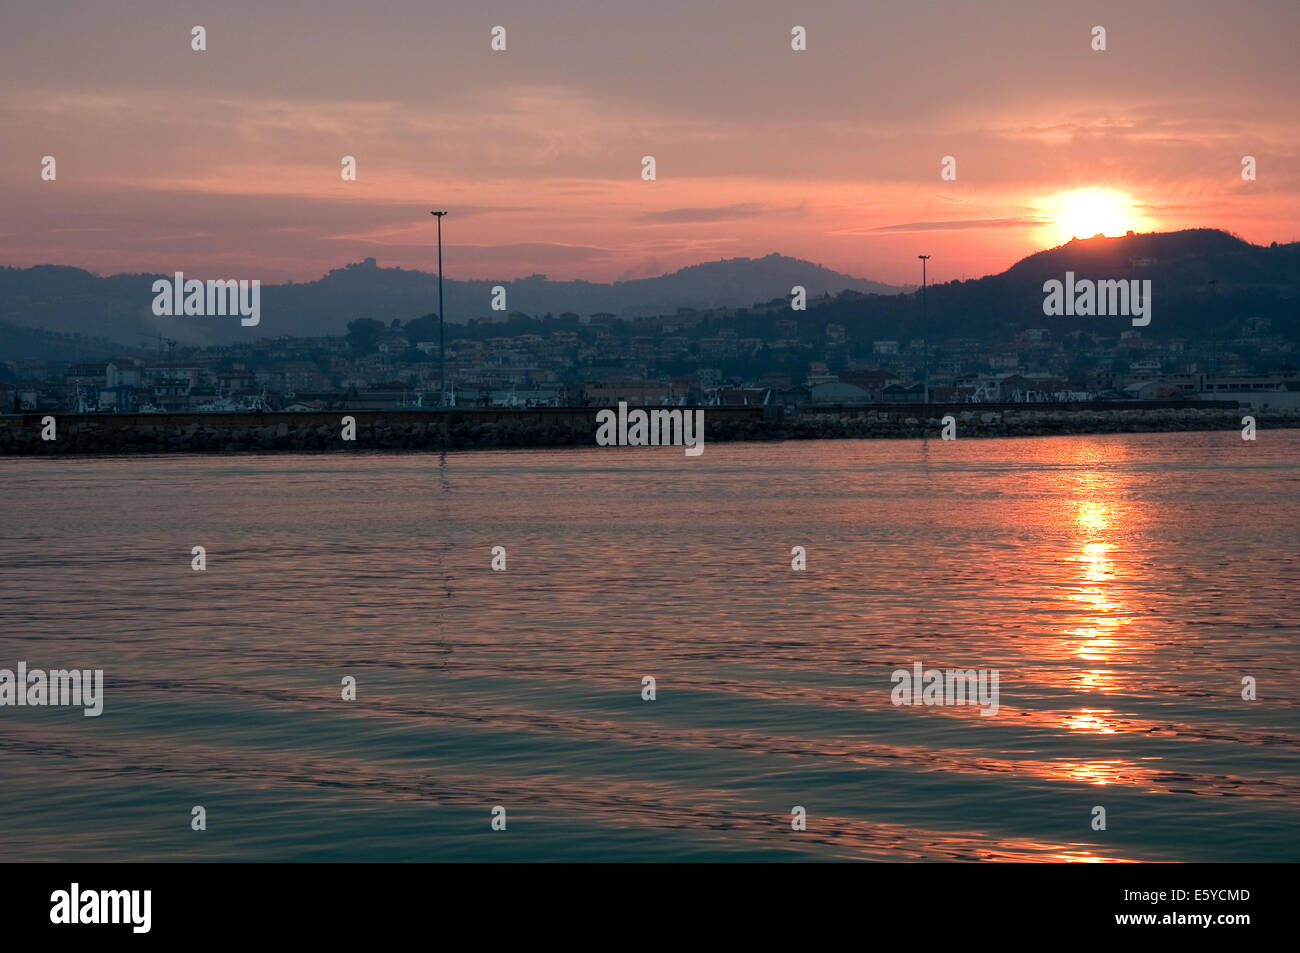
x,y
534,252
717,214
956,226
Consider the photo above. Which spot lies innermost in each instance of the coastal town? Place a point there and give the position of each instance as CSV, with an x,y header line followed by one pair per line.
x,y
762,356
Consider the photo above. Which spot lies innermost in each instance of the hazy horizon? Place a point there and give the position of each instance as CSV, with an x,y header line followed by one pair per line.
x,y
903,287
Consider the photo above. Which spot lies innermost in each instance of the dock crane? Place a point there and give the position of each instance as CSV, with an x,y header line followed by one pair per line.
x,y
171,351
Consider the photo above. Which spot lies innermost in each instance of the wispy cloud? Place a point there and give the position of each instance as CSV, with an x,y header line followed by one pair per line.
x,y
954,226
718,214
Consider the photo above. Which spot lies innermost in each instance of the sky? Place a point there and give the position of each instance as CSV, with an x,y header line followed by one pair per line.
x,y
226,162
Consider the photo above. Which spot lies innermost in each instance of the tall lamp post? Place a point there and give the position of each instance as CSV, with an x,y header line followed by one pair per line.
x,y
442,361
925,322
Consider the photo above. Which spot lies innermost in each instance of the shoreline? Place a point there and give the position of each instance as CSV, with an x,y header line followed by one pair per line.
x,y
547,427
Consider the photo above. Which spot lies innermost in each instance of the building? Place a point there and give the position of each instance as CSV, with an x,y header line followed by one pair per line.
x,y
838,392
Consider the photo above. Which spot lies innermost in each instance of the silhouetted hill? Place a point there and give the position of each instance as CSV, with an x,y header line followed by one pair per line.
x,y
18,344
1204,283
1183,258
65,299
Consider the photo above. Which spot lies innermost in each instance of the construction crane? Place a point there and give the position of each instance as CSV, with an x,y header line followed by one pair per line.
x,y
171,351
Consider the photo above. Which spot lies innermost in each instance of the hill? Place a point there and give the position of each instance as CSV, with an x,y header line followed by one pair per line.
x,y
70,300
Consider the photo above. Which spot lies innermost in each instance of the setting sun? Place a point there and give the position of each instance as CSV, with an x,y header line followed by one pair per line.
x,y
1083,213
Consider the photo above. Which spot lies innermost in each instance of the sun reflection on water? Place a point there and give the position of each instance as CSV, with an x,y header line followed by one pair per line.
x,y
1098,636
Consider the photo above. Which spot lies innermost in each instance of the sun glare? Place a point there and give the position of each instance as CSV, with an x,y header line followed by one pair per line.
x,y
1083,213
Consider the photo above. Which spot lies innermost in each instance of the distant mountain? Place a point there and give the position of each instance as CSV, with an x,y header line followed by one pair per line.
x,y
56,298
1204,282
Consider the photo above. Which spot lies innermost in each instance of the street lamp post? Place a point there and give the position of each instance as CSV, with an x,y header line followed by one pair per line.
x,y
925,321
442,361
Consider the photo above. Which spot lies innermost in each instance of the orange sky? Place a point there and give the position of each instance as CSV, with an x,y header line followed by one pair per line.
x,y
226,162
